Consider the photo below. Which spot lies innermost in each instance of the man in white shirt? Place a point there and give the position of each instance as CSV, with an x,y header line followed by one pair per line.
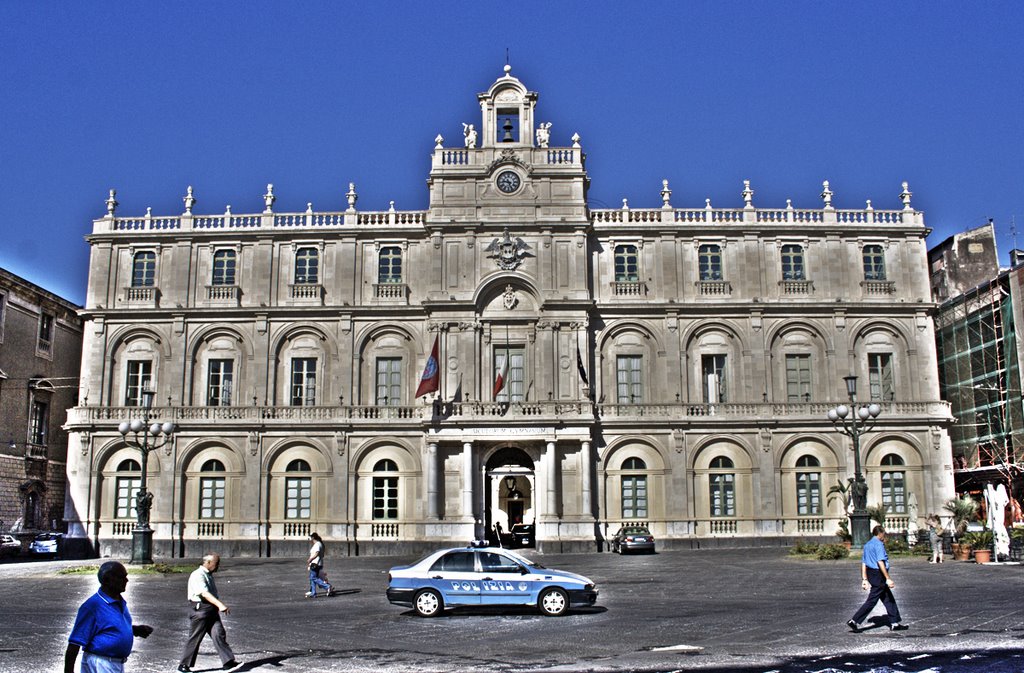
x,y
205,607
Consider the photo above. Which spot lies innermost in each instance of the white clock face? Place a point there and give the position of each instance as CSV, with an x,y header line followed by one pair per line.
x,y
508,181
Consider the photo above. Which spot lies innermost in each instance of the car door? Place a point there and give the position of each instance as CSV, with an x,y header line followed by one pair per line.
x,y
502,580
456,577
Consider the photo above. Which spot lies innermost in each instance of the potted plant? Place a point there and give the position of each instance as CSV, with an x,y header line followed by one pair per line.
x,y
841,491
981,542
963,510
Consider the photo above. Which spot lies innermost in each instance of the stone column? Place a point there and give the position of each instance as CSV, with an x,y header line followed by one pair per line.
x,y
431,471
467,481
585,462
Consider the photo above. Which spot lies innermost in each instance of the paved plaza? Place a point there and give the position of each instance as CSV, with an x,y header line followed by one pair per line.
x,y
744,610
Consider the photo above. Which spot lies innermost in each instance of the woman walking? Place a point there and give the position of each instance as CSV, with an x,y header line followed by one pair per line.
x,y
934,524
316,566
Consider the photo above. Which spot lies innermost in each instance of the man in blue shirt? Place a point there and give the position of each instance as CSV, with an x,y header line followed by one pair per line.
x,y
874,572
103,627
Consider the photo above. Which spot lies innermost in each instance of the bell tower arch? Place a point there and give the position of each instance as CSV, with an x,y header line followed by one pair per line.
x,y
507,110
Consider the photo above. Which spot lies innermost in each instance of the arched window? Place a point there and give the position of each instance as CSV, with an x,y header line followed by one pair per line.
x,y
307,266
634,490
894,484
212,491
808,487
144,269
126,489
723,488
389,269
298,497
874,262
385,490
224,267
627,267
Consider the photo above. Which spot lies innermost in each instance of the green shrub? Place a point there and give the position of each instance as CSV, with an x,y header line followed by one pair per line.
x,y
832,552
803,547
897,544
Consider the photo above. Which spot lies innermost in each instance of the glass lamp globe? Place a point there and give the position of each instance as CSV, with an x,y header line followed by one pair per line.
x,y
842,411
124,427
136,425
874,409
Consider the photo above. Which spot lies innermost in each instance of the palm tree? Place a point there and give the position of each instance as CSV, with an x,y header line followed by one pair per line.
x,y
842,492
964,510
878,513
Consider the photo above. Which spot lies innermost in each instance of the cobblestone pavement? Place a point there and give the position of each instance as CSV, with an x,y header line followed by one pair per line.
x,y
746,610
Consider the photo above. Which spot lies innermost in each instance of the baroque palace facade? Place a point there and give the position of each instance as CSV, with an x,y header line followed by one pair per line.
x,y
668,366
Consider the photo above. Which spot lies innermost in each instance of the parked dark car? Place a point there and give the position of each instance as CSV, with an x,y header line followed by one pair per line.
x,y
9,545
633,538
522,535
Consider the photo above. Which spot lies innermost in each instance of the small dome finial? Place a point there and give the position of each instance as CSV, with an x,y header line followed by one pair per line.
x,y
508,68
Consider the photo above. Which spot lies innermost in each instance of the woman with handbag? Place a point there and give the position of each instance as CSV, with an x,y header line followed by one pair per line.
x,y
315,562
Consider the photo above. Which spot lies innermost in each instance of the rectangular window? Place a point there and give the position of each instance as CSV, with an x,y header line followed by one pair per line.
x,y
629,388
513,390
390,265
45,343
880,377
894,494
303,382
211,497
3,315
127,490
138,375
144,269
723,495
389,382
798,378
307,266
298,498
224,267
792,262
808,493
634,497
627,267
219,383
713,378
709,260
385,497
38,422
874,262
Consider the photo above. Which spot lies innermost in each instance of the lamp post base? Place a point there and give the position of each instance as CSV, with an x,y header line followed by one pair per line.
x,y
860,528
142,546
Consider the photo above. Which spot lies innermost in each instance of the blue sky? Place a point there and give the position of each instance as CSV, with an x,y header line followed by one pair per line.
x,y
148,98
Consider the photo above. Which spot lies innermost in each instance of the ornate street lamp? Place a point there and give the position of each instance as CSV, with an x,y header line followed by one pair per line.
x,y
853,421
144,438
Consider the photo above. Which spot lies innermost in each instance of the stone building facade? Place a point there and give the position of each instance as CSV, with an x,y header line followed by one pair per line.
x,y
40,357
671,366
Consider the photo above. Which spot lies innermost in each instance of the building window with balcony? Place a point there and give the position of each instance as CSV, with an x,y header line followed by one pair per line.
x,y
723,487
389,268
808,487
874,262
45,341
626,264
709,261
385,490
144,269
389,382
307,266
38,422
211,491
634,490
882,387
224,262
303,382
629,383
798,378
713,378
219,382
126,489
894,485
793,263
512,374
138,375
298,497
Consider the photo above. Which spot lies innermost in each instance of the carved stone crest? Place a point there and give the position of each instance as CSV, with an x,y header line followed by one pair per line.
x,y
508,253
510,300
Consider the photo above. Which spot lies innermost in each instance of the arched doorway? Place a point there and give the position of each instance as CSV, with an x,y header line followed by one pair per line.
x,y
509,489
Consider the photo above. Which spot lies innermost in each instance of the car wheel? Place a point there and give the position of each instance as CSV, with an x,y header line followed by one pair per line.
x,y
428,603
553,602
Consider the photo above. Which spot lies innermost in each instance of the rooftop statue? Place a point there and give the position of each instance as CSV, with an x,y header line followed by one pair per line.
x,y
470,133
543,134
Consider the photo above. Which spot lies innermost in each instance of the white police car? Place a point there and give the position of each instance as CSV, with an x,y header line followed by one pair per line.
x,y
468,576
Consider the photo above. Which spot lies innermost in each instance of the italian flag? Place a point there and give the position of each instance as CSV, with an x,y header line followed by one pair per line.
x,y
499,377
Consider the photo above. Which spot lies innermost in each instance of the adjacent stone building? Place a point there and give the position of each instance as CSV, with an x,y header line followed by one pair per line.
x,y
40,356
667,366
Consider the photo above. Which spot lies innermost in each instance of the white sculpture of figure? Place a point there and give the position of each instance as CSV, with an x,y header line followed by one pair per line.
x,y
470,133
996,499
912,519
543,134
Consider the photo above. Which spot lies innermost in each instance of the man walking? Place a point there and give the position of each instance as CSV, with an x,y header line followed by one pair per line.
x,y
874,572
103,627
205,606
